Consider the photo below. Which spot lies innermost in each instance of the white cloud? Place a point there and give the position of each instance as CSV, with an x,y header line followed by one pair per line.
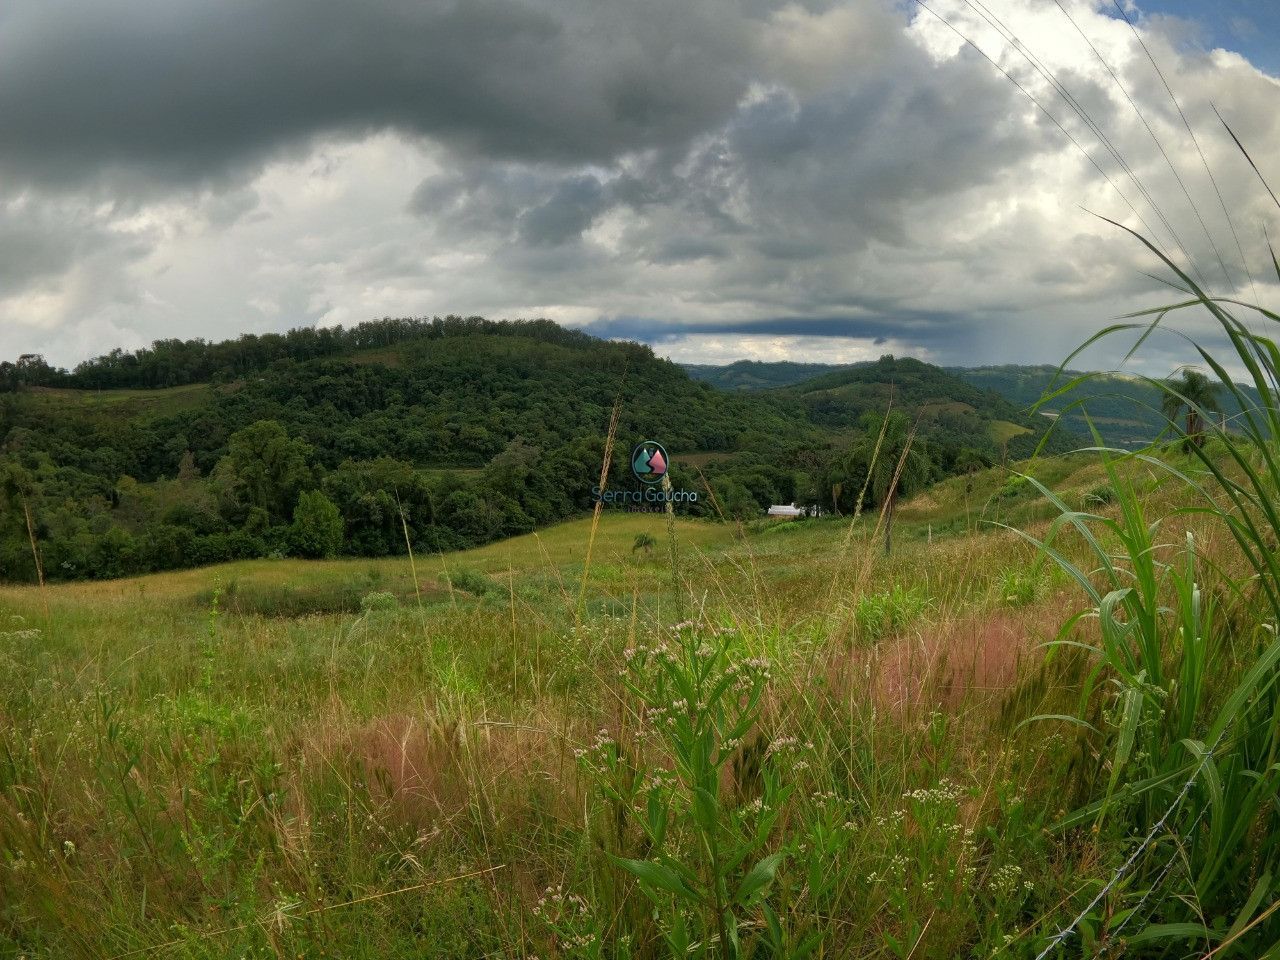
x,y
873,186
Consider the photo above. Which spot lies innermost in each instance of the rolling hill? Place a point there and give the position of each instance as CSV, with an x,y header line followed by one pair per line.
x,y
951,412
757,374
1124,409
439,434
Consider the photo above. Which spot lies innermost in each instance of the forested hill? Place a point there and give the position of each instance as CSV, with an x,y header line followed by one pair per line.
x,y
1124,410
450,433
173,363
949,411
476,431
954,413
757,374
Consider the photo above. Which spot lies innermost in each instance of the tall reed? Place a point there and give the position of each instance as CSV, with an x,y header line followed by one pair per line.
x,y
1189,741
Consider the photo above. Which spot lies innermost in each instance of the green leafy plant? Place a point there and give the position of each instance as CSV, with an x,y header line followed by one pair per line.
x,y
317,526
1100,495
875,615
378,600
712,856
471,581
1018,587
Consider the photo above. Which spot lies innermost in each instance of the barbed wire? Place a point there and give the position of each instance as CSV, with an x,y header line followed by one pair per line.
x,y
1155,831
1168,867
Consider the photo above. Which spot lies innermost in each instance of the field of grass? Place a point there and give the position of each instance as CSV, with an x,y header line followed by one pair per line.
x,y
126,403
177,765
1002,431
770,735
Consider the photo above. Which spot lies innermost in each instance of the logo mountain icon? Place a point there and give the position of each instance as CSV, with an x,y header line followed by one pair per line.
x,y
649,462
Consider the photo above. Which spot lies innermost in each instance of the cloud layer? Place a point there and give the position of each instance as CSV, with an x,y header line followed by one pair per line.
x,y
718,178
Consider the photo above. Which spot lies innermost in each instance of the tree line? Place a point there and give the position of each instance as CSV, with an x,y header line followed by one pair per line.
x,y
175,362
449,434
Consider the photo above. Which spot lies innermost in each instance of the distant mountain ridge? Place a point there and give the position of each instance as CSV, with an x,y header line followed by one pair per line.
x,y
949,410
1125,410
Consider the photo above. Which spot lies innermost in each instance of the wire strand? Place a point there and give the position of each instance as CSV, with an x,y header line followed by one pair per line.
x,y
1156,140
1187,123
1093,126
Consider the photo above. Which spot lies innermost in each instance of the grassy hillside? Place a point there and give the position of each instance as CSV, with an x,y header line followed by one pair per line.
x,y
224,762
187,753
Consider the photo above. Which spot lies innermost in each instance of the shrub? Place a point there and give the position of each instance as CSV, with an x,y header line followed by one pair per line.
x,y
1101,495
317,527
1015,486
471,581
1017,587
378,600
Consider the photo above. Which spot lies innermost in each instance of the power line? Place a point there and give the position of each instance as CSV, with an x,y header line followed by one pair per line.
x,y
1186,123
1041,107
1094,127
1156,140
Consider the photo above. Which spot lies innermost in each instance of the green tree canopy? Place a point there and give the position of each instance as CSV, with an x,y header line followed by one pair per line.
x,y
270,468
317,526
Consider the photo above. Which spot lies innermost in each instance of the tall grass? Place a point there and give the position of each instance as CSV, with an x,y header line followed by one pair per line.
x,y
1190,735
175,783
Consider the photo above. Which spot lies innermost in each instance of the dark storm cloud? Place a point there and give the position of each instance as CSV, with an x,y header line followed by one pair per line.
x,y
188,90
840,168
782,182
566,214
932,331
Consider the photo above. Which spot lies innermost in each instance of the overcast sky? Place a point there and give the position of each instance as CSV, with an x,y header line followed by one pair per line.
x,y
720,178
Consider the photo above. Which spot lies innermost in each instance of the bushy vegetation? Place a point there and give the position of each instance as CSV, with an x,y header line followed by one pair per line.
x,y
877,614
458,433
421,435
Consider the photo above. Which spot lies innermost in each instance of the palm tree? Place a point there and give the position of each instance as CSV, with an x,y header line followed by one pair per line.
x,y
898,446
1195,392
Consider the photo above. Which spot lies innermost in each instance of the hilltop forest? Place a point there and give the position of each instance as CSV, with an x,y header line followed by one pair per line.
x,y
440,434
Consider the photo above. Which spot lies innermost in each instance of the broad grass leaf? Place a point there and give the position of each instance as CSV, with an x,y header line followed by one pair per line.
x,y
657,875
758,878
